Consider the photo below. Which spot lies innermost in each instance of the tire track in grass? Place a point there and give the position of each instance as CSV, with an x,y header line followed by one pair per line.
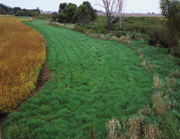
x,y
92,81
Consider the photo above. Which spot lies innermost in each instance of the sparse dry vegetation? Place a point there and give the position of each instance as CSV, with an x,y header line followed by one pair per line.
x,y
157,83
175,74
114,127
160,104
151,132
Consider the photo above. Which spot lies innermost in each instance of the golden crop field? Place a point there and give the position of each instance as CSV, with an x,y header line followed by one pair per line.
x,y
22,54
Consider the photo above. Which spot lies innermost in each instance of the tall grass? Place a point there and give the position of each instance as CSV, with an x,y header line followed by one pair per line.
x,y
22,53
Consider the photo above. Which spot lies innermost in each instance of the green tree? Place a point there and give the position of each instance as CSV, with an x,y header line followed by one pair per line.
x,y
71,13
92,11
62,17
83,14
171,11
62,7
54,16
16,9
24,12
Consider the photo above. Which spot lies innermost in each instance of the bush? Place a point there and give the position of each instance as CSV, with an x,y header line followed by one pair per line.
x,y
80,28
171,11
54,17
163,36
61,18
91,31
120,33
24,13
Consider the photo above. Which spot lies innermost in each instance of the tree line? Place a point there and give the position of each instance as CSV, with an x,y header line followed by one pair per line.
x,y
17,11
71,13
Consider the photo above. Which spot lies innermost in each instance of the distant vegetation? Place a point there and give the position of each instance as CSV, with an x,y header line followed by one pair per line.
x,y
22,54
17,11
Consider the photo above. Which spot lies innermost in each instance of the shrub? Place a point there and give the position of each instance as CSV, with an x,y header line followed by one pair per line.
x,y
61,18
80,28
54,17
163,36
171,30
24,13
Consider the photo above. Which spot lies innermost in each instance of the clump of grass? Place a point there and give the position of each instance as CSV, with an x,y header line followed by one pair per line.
x,y
145,110
141,57
175,74
139,51
113,127
140,38
151,132
93,35
125,39
69,26
145,64
114,38
135,126
171,57
160,104
157,84
170,82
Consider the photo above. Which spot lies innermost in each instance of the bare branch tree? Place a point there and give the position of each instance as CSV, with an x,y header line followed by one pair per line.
x,y
110,7
113,9
121,8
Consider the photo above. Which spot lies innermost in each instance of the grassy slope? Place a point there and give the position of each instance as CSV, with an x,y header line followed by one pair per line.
x,y
92,81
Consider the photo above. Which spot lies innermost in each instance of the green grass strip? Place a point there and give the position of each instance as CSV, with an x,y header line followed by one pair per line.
x,y
92,81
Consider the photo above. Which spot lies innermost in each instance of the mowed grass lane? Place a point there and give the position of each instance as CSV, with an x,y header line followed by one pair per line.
x,y
91,81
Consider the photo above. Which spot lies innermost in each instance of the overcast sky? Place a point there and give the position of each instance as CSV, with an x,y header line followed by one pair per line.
x,y
136,6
